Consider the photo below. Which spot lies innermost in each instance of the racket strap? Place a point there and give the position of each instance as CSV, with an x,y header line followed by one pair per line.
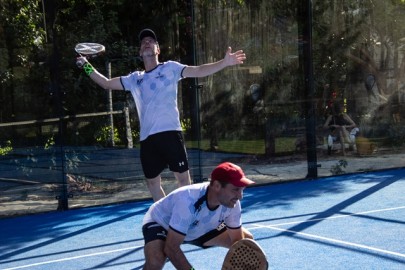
x,y
88,68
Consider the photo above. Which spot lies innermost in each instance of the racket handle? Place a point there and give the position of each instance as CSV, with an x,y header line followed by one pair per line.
x,y
80,61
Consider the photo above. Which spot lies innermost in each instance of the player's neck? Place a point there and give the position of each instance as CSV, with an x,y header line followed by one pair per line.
x,y
212,200
150,62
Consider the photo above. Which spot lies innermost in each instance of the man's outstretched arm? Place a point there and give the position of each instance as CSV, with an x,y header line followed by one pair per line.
x,y
97,77
230,59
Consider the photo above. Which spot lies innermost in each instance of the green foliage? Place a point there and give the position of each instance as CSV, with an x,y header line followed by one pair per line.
x,y
396,135
50,142
343,32
7,148
21,22
103,135
284,145
339,167
135,135
22,46
186,124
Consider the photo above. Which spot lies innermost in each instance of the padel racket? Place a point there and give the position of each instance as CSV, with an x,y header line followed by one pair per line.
x,y
245,254
89,50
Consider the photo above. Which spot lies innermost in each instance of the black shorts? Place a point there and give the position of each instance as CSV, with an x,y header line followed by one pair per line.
x,y
153,231
162,150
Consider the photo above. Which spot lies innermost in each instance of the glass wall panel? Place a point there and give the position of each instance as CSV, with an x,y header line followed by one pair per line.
x,y
359,65
66,142
254,110
258,110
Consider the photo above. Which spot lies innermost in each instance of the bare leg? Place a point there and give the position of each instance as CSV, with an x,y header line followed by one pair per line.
x,y
345,138
155,188
330,144
246,233
183,178
348,138
342,141
154,256
346,135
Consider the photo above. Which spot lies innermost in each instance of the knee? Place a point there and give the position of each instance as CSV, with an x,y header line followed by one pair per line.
x,y
155,263
247,234
153,182
154,259
184,178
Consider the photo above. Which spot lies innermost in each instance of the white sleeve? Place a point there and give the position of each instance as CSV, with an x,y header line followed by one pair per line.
x,y
182,214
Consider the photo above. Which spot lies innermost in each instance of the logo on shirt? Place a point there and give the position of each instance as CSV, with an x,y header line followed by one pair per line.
x,y
139,81
163,233
195,223
221,226
159,76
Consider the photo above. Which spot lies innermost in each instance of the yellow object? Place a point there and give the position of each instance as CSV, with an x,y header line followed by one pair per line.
x,y
364,146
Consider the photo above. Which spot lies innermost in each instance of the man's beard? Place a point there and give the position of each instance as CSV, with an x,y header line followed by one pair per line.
x,y
149,53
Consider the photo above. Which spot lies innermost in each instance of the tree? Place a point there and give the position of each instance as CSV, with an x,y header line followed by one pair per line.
x,y
22,41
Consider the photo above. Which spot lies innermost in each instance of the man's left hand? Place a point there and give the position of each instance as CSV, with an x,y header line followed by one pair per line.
x,y
235,58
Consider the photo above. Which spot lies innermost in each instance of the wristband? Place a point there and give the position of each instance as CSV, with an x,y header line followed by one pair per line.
x,y
88,68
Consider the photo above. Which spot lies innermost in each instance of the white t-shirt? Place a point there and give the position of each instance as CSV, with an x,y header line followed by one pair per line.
x,y
155,95
185,211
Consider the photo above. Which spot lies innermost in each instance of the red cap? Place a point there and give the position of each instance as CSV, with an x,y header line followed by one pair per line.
x,y
231,173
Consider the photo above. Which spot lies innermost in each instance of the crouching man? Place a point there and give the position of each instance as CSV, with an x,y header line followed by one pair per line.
x,y
203,214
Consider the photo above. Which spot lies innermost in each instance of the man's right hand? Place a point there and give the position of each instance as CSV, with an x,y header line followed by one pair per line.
x,y
80,61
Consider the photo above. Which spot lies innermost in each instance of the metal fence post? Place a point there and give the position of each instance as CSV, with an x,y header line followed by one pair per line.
x,y
130,143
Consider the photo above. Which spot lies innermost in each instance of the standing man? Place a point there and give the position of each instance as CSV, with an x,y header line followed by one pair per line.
x,y
155,93
204,214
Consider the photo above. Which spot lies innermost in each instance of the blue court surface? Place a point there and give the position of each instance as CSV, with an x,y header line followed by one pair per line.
x,y
345,222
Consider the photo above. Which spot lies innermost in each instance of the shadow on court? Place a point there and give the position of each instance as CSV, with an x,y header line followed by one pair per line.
x,y
53,228
276,197
347,222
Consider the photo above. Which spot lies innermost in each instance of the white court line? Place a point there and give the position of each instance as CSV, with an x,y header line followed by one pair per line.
x,y
257,226
339,216
73,258
327,239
